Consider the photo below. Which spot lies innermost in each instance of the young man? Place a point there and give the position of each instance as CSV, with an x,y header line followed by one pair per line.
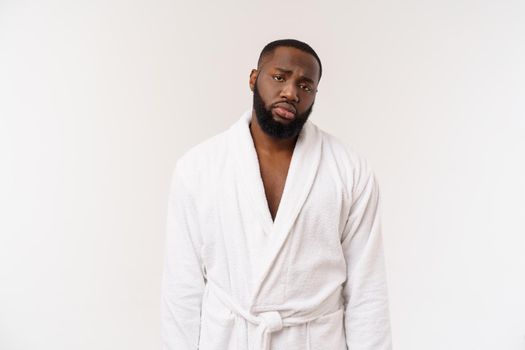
x,y
273,237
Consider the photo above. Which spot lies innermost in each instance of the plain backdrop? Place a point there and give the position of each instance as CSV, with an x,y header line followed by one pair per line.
x,y
98,99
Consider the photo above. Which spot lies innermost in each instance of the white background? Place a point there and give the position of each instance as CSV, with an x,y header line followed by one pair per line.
x,y
99,98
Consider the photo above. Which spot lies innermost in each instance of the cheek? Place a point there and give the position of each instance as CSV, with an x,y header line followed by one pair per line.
x,y
306,102
268,93
268,90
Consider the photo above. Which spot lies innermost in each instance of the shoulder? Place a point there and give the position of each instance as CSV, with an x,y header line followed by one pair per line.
x,y
353,167
202,158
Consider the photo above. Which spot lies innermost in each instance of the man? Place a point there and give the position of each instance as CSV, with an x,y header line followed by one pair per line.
x,y
273,236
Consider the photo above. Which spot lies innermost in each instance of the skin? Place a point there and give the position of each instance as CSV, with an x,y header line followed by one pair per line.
x,y
288,75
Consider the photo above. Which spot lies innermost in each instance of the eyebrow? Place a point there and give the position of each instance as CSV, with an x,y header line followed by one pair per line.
x,y
287,71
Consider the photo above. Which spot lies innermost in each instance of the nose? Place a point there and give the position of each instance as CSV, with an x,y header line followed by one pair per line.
x,y
290,92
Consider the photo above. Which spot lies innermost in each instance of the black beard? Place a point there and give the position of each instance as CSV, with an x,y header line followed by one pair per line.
x,y
272,127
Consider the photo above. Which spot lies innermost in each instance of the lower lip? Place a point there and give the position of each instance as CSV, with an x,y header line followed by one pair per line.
x,y
283,113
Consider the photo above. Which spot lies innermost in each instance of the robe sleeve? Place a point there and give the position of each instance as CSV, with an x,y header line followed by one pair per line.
x,y
366,320
183,276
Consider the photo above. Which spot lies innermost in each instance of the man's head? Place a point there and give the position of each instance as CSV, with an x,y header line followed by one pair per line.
x,y
284,86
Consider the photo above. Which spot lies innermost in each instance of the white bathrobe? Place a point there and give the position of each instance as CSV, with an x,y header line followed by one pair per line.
x,y
234,279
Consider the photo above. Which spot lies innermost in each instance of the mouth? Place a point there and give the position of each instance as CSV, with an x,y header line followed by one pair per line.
x,y
285,110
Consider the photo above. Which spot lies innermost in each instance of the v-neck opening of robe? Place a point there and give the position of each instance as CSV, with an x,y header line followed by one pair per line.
x,y
271,223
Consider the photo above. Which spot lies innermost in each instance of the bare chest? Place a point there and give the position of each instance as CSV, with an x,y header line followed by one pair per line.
x,y
274,172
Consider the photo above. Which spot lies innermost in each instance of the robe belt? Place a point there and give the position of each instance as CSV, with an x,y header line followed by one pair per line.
x,y
266,322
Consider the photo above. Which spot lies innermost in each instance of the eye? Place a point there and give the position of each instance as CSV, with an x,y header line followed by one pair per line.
x,y
278,77
305,87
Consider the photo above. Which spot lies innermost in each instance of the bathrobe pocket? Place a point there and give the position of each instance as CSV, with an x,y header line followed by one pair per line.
x,y
327,332
217,323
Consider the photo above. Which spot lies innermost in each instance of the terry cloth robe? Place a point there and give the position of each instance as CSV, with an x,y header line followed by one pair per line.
x,y
234,279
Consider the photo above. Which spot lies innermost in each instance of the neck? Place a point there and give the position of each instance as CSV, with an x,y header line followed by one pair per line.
x,y
269,144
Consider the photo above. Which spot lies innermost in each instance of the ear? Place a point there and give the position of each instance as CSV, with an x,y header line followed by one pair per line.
x,y
253,77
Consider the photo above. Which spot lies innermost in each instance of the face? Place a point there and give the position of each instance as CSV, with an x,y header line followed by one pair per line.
x,y
284,89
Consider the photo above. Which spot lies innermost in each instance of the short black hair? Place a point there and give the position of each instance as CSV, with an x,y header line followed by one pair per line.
x,y
270,48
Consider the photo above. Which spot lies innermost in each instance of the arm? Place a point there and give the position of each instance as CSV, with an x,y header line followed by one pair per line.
x,y
183,277
367,322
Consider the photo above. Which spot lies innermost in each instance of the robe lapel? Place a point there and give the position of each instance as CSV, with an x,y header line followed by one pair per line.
x,y
248,171
301,175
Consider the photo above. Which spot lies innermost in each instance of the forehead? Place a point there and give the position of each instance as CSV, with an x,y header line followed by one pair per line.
x,y
293,59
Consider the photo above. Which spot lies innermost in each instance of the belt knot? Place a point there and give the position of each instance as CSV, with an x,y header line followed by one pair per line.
x,y
271,320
